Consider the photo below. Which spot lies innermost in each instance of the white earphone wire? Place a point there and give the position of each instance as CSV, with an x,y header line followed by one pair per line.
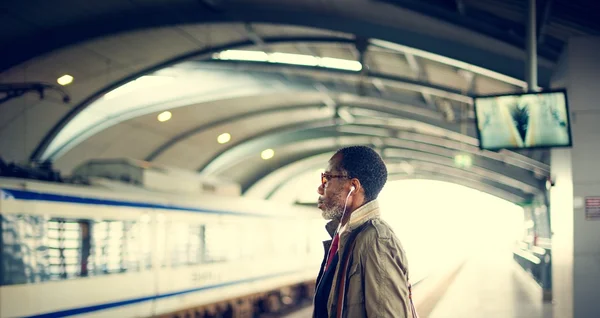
x,y
345,206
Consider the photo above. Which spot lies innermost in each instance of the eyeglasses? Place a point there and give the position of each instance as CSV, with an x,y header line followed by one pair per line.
x,y
325,178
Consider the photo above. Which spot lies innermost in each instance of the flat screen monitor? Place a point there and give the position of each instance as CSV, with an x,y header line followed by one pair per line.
x,y
523,121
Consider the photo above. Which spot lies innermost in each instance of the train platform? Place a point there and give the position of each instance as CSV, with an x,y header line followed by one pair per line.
x,y
486,285
492,285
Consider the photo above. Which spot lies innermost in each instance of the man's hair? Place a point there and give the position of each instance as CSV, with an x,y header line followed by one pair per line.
x,y
364,164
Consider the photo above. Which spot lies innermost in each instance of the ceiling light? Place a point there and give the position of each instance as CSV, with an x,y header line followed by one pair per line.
x,y
164,116
243,55
297,59
340,64
289,58
224,138
65,80
267,154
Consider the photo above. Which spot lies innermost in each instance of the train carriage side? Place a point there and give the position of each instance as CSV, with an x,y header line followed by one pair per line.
x,y
68,255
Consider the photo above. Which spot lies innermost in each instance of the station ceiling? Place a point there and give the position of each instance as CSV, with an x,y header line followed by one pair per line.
x,y
300,77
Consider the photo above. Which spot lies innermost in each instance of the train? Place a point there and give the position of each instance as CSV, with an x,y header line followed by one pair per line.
x,y
69,250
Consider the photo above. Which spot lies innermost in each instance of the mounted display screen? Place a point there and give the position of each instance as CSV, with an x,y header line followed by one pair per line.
x,y
521,121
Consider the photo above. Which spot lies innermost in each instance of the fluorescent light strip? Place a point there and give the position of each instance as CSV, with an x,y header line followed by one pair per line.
x,y
328,62
288,58
449,61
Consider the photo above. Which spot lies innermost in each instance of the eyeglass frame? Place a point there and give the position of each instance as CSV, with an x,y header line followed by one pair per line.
x,y
331,176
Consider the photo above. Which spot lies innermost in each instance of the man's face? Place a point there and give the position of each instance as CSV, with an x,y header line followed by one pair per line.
x,y
332,195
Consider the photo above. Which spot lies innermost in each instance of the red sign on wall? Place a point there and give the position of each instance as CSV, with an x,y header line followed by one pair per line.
x,y
592,208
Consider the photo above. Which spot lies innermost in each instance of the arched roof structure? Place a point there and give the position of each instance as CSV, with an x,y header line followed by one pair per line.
x,y
300,77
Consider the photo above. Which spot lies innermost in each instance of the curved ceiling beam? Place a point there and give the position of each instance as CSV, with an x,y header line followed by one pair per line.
x,y
395,47
470,144
423,168
508,196
447,164
264,189
423,174
398,146
406,83
227,120
389,106
485,168
397,134
448,170
47,139
238,151
398,81
508,58
43,145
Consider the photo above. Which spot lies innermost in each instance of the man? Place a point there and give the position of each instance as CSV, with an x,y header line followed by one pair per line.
x,y
364,271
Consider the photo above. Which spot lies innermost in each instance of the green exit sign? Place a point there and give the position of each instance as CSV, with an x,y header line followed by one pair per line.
x,y
463,161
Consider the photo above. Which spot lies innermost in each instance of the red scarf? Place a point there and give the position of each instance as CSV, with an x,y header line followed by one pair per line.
x,y
333,249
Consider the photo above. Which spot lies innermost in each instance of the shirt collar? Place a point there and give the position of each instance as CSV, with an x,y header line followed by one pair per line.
x,y
332,226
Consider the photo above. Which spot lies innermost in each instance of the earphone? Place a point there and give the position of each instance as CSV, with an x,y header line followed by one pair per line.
x,y
352,188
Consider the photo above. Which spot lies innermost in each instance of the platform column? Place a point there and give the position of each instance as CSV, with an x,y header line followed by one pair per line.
x,y
576,175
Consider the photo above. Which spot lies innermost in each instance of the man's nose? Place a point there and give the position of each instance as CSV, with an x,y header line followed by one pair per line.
x,y
320,190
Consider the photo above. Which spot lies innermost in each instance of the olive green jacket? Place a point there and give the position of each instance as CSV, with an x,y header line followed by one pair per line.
x,y
376,274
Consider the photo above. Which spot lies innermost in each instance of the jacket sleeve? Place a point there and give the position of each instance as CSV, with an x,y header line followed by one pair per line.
x,y
385,285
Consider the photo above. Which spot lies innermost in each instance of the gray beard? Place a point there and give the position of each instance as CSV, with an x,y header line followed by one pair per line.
x,y
334,213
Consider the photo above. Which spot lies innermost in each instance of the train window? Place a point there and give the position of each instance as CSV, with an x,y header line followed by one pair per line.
x,y
222,243
121,246
195,247
145,242
161,238
178,237
63,241
254,243
37,249
186,244
107,245
137,245
23,252
215,237
249,243
281,245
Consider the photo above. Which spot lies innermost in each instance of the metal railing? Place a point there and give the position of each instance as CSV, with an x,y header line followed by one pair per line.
x,y
538,262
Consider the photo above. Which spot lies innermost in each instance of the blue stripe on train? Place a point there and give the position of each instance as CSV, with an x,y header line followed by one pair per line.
x,y
39,196
88,309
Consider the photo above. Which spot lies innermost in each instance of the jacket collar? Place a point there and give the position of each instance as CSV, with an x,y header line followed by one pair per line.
x,y
359,217
362,215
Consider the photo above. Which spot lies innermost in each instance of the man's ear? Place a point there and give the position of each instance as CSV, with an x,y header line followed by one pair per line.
x,y
356,185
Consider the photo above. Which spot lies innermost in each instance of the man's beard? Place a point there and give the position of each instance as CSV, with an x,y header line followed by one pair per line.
x,y
333,210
